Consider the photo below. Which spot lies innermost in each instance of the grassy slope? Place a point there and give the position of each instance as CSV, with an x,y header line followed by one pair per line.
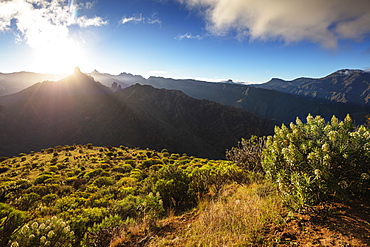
x,y
228,209
84,185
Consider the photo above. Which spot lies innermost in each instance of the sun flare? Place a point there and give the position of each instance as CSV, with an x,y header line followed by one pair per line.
x,y
58,57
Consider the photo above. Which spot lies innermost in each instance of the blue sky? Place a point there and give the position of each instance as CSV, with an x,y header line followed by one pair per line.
x,y
244,40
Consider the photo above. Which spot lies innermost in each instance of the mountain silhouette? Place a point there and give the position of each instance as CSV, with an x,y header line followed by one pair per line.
x,y
344,86
341,93
266,103
78,109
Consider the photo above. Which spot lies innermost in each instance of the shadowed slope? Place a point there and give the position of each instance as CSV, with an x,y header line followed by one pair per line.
x,y
79,110
344,86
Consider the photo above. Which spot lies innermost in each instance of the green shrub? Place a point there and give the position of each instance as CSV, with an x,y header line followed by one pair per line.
x,y
93,173
81,219
100,234
103,181
44,232
26,201
172,183
10,220
150,206
69,202
42,178
43,189
319,160
136,173
126,167
49,198
127,207
209,178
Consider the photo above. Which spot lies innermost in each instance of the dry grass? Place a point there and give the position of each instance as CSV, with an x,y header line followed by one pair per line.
x,y
237,218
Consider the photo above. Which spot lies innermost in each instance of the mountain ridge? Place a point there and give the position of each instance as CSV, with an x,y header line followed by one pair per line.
x,y
342,86
282,103
78,109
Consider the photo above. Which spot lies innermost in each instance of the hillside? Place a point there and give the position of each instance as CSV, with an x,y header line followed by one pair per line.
x,y
78,109
344,86
90,188
117,196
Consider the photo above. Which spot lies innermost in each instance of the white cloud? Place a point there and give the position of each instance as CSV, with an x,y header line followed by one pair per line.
x,y
125,20
83,21
189,36
140,19
88,5
318,21
38,22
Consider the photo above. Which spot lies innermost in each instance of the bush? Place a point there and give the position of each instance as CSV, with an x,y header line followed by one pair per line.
x,y
68,203
248,154
42,178
44,232
149,206
316,161
172,183
101,234
10,220
208,178
27,201
93,173
103,181
49,198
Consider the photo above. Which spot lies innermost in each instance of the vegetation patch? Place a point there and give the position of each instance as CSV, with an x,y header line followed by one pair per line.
x,y
271,191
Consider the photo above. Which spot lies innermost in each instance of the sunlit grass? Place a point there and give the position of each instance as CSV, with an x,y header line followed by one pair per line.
x,y
237,217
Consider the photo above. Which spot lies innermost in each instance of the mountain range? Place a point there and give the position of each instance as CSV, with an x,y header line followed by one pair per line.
x,y
79,109
340,93
196,117
344,86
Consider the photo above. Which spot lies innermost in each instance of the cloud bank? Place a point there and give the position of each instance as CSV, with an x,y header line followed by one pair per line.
x,y
38,22
319,21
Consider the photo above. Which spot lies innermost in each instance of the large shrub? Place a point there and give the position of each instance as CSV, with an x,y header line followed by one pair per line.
x,y
10,220
172,183
248,153
44,232
318,160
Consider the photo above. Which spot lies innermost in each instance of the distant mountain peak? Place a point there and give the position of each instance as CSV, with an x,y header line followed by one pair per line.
x,y
77,70
345,72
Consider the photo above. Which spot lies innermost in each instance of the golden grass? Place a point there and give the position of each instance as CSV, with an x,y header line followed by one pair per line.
x,y
237,217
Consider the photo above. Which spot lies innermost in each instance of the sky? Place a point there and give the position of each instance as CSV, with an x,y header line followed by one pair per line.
x,y
244,40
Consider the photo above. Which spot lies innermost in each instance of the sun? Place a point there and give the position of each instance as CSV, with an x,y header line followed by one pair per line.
x,y
58,57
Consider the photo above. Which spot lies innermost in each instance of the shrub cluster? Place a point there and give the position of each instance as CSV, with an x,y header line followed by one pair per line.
x,y
317,160
44,232
95,189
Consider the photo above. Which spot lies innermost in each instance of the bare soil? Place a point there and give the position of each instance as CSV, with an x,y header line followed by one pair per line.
x,y
334,224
